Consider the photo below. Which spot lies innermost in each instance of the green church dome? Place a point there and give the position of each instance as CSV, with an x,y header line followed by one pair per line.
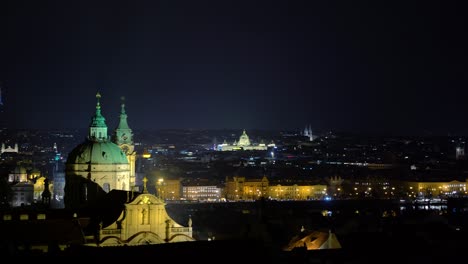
x,y
92,152
97,149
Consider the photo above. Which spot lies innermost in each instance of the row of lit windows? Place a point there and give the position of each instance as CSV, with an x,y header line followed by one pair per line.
x,y
204,195
201,188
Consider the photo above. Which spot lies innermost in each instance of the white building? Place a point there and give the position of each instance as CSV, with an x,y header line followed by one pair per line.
x,y
242,144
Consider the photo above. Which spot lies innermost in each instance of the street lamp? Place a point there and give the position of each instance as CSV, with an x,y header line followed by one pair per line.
x,y
160,184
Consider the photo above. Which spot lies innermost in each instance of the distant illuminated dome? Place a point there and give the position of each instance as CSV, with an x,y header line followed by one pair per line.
x,y
244,140
98,161
243,144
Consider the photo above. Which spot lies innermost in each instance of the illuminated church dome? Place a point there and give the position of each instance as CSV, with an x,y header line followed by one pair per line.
x,y
96,165
242,144
244,140
92,152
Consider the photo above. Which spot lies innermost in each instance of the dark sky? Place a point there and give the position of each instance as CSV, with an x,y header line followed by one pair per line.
x,y
360,66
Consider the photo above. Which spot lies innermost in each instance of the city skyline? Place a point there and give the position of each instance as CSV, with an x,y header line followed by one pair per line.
x,y
352,66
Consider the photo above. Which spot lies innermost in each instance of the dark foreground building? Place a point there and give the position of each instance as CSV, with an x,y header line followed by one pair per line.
x,y
258,232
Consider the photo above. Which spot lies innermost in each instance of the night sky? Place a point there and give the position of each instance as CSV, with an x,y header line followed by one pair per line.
x,y
358,66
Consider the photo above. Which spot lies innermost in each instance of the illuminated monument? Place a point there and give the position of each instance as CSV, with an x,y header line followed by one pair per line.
x,y
96,166
98,184
243,144
9,148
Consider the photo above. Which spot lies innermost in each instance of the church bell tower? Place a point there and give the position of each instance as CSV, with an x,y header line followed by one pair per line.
x,y
123,137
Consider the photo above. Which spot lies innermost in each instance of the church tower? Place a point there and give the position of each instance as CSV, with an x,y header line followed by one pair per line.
x,y
96,166
308,133
123,137
311,136
460,152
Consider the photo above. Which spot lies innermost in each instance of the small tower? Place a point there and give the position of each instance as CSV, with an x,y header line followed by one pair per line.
x,y
311,136
308,133
123,137
459,153
215,143
98,127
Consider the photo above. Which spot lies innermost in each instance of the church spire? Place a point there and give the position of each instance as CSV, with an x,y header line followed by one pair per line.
x,y
98,127
123,137
123,134
123,116
311,136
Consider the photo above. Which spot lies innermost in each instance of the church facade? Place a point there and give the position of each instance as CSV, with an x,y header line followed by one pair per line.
x,y
144,221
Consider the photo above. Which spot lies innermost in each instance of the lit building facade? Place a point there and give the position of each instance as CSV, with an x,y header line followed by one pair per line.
x,y
144,221
39,187
435,189
242,144
9,149
23,194
202,193
297,192
22,188
19,174
240,188
168,189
